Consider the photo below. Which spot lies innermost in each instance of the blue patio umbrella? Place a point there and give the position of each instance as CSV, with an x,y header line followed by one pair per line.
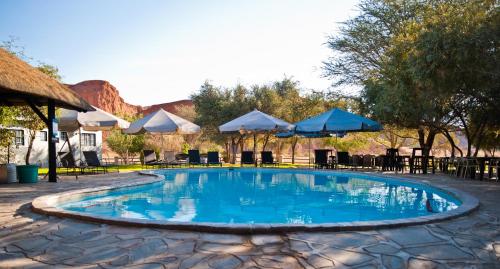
x,y
336,121
333,122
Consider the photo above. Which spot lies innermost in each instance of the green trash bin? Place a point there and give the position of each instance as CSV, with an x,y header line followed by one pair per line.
x,y
27,173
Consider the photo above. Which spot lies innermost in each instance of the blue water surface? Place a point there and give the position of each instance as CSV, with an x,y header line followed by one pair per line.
x,y
251,195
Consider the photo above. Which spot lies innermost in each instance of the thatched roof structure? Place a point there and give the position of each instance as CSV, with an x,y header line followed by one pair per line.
x,y
20,82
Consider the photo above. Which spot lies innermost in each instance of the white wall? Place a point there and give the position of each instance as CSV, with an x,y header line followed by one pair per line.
x,y
39,152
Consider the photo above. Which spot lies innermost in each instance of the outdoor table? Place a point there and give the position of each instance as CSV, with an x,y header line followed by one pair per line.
x,y
424,161
333,161
481,162
404,160
494,164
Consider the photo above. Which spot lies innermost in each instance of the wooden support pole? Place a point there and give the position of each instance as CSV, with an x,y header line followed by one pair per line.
x,y
51,115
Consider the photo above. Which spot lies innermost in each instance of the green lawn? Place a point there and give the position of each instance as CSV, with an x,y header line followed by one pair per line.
x,y
138,167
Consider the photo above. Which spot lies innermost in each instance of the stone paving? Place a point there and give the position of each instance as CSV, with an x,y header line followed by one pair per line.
x,y
29,240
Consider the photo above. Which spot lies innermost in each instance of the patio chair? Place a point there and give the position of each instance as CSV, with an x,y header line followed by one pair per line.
x,y
357,160
343,158
469,168
379,162
194,157
170,159
392,161
150,158
267,158
493,167
419,163
92,160
368,161
321,158
247,157
67,161
213,158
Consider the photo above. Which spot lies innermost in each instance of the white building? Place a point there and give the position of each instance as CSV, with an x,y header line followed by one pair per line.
x,y
91,141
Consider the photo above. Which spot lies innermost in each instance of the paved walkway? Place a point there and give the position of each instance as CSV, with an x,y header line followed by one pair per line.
x,y
32,241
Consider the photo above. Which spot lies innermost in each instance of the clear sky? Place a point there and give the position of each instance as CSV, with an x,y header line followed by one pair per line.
x,y
162,51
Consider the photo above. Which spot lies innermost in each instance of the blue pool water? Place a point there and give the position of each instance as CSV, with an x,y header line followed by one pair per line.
x,y
248,195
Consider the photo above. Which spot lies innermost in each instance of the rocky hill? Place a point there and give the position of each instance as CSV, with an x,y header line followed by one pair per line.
x,y
102,94
171,107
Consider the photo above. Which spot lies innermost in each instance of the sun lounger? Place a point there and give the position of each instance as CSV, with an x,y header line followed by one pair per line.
x,y
267,158
213,158
247,157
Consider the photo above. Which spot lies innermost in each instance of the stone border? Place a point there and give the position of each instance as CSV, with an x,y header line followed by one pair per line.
x,y
48,205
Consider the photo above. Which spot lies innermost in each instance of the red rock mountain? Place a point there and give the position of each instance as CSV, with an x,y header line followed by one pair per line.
x,y
171,107
102,94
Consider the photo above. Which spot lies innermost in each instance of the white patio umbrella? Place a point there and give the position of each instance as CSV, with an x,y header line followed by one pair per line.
x,y
98,120
256,122
162,122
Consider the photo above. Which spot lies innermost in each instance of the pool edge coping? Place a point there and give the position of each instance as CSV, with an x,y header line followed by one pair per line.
x,y
46,205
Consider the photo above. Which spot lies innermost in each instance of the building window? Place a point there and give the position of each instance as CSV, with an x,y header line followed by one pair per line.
x,y
42,135
88,140
19,137
63,136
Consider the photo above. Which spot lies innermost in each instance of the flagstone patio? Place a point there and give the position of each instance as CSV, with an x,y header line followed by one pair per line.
x,y
31,240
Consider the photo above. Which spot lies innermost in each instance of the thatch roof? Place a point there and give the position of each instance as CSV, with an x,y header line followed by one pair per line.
x,y
20,81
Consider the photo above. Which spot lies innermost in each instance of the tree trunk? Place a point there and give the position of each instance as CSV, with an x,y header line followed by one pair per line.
x,y
452,144
266,140
234,148
470,138
228,152
421,137
294,144
478,135
126,157
30,146
242,144
429,142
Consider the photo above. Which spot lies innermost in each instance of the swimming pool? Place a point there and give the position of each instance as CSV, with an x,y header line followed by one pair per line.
x,y
246,196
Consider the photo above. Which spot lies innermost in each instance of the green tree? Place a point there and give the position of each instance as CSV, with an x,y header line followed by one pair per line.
x,y
125,145
422,64
8,118
215,106
295,106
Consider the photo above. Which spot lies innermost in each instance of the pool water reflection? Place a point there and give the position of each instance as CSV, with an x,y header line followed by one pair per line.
x,y
249,195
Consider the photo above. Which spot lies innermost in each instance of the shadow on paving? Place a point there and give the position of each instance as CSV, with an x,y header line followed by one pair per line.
x,y
31,240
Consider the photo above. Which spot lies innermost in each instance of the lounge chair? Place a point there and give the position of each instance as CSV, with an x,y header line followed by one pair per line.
x,y
357,160
368,161
170,159
194,157
213,158
343,158
321,158
247,157
92,160
150,158
67,161
267,158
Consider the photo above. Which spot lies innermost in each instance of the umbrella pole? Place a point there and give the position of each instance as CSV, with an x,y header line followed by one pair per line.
x,y
255,148
309,152
79,143
161,146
